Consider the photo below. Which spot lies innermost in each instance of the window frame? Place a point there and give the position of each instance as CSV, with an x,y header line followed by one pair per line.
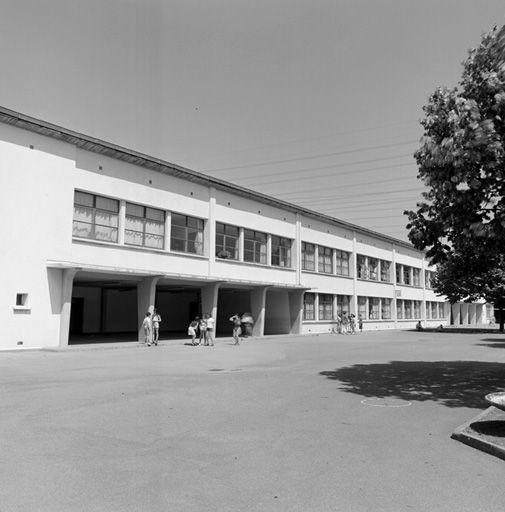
x,y
322,259
187,228
257,245
281,250
93,210
224,247
309,313
306,256
325,306
145,220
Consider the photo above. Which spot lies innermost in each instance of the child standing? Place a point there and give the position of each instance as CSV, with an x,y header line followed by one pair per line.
x,y
193,326
148,327
202,327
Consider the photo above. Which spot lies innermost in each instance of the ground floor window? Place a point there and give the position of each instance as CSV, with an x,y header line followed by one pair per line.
x,y
343,302
325,306
309,300
374,308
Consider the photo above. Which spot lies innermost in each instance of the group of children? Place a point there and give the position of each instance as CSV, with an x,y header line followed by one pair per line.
x,y
203,329
346,324
151,326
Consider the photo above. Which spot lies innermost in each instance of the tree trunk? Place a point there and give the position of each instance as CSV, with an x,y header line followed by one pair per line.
x,y
501,318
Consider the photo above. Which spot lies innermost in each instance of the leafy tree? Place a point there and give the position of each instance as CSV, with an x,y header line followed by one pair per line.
x,y
461,220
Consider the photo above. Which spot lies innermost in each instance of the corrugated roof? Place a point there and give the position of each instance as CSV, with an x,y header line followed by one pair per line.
x,y
94,145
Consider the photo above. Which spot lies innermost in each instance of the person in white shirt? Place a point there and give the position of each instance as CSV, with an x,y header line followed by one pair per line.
x,y
209,336
148,329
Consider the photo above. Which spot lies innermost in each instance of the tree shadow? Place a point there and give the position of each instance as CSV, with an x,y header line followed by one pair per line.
x,y
494,343
451,383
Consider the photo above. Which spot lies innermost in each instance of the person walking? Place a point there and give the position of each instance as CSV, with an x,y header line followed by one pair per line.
x,y
148,327
193,326
360,323
156,319
345,323
237,331
202,328
210,330
352,323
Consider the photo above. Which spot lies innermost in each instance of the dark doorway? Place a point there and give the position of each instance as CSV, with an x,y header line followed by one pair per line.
x,y
230,302
76,315
177,307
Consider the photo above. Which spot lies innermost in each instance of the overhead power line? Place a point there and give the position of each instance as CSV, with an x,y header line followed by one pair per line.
x,y
332,166
311,139
310,157
333,175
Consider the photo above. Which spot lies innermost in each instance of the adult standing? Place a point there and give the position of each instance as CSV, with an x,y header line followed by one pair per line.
x,y
345,323
156,319
209,340
247,324
237,331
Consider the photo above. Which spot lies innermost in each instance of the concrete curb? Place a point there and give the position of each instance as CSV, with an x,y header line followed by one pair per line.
x,y
465,434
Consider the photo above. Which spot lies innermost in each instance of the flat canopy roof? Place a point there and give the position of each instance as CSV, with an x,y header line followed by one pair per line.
x,y
130,156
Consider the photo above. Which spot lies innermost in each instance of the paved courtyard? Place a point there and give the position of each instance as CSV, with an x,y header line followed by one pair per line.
x,y
322,423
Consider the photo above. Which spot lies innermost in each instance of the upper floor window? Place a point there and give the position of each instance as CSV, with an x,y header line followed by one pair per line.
x,y
144,226
227,240
428,276
309,306
308,256
406,275
281,251
373,269
186,234
416,276
255,246
325,260
398,272
95,217
385,271
342,259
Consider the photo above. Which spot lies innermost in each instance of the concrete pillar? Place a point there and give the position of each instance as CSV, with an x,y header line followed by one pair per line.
x,y
297,249
168,230
479,308
354,273
296,311
258,300
456,312
464,313
146,293
472,314
66,304
209,300
121,222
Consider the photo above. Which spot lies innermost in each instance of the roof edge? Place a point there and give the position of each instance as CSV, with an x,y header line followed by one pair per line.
x,y
93,144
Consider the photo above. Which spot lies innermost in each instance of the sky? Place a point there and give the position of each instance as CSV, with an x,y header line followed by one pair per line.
x,y
316,102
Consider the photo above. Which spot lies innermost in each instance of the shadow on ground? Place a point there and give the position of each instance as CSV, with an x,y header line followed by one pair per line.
x,y
451,383
492,343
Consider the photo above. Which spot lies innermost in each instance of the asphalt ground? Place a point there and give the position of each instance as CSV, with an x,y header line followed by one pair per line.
x,y
317,423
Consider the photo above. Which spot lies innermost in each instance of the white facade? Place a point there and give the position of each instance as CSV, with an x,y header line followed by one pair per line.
x,y
47,266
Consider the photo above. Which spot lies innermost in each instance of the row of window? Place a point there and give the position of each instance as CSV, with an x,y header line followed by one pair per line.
x,y
373,269
329,306
97,218
255,246
410,276
369,308
329,261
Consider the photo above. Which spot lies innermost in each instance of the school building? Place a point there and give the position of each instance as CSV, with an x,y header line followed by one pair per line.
x,y
99,234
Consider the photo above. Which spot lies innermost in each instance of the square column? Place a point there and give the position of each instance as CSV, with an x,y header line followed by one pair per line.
x,y
464,313
258,300
66,304
209,294
296,311
146,294
455,313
